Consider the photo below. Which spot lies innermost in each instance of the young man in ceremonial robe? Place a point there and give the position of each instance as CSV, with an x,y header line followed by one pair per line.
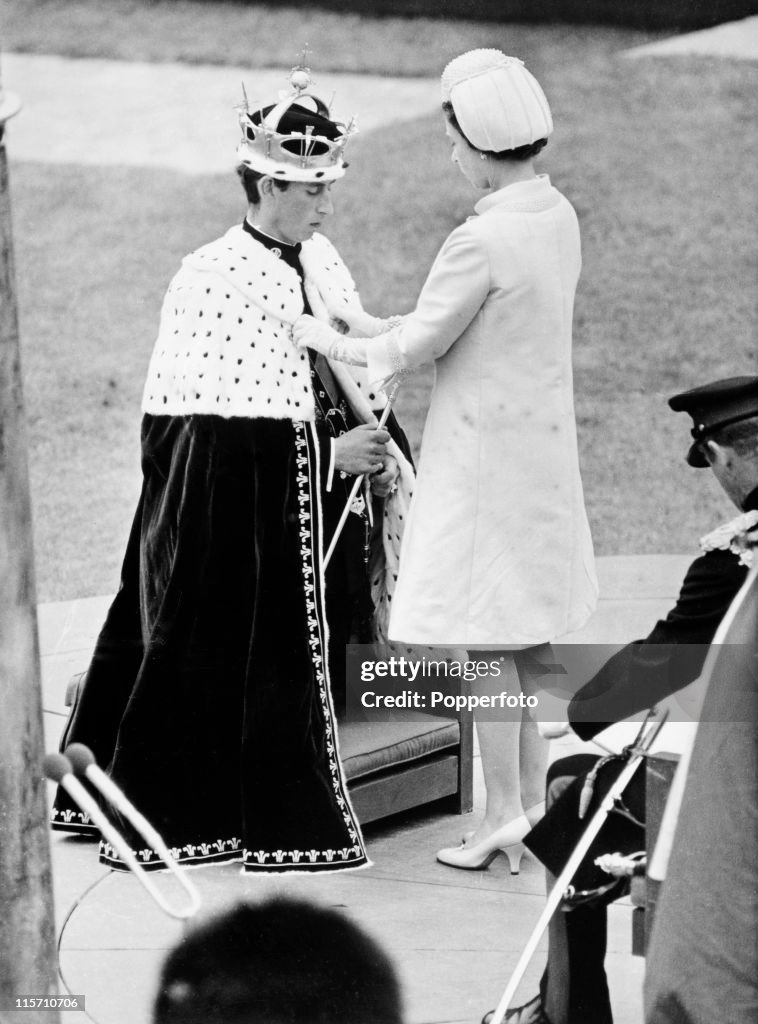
x,y
211,695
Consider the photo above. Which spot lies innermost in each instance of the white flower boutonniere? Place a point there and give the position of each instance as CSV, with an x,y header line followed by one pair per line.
x,y
738,535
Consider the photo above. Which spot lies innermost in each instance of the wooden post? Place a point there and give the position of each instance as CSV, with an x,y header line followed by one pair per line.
x,y
27,927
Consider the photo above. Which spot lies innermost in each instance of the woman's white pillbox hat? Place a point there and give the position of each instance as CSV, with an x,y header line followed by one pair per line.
x,y
497,102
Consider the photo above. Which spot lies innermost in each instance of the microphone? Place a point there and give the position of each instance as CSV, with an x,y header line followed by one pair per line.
x,y
79,759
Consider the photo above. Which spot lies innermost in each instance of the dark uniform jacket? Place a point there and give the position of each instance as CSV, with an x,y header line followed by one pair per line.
x,y
672,655
633,680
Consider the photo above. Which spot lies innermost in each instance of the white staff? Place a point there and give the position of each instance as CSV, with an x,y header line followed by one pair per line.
x,y
357,483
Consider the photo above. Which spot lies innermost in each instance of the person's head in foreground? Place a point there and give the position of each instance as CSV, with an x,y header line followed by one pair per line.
x,y
289,155
725,432
498,118
284,961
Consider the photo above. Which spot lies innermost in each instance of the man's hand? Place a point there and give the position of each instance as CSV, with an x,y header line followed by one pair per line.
x,y
383,482
361,450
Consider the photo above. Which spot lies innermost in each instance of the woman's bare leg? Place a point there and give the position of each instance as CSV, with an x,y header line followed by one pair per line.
x,y
533,748
514,756
532,767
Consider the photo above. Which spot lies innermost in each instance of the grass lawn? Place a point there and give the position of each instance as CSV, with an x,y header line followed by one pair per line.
x,y
655,155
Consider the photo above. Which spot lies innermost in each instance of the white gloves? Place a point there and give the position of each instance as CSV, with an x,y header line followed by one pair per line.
x,y
357,320
308,332
311,333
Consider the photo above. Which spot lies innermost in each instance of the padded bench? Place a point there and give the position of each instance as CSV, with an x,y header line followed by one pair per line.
x,y
396,765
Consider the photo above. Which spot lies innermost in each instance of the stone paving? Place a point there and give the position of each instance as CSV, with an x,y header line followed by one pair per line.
x,y
454,935
177,116
737,40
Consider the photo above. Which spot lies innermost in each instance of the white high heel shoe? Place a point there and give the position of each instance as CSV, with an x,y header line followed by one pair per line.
x,y
480,856
506,839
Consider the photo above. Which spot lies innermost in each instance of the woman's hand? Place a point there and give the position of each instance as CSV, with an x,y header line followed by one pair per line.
x,y
383,482
349,315
308,332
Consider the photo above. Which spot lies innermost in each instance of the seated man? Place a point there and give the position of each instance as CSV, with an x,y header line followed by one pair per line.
x,y
574,988
280,962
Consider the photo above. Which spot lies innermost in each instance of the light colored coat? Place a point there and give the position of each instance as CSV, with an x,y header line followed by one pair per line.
x,y
497,550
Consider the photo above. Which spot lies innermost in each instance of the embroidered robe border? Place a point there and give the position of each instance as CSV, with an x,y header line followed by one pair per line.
x,y
230,849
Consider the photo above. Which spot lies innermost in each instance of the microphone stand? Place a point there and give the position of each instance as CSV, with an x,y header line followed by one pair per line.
x,y
79,760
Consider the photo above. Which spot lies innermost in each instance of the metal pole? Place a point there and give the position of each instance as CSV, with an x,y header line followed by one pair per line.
x,y
27,927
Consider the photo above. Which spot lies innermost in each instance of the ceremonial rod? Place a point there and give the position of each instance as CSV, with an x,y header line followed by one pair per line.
x,y
357,483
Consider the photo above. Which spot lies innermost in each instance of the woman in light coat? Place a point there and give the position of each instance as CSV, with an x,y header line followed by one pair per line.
x,y
497,555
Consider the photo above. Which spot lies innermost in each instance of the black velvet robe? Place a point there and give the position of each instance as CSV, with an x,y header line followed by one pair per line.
x,y
209,697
